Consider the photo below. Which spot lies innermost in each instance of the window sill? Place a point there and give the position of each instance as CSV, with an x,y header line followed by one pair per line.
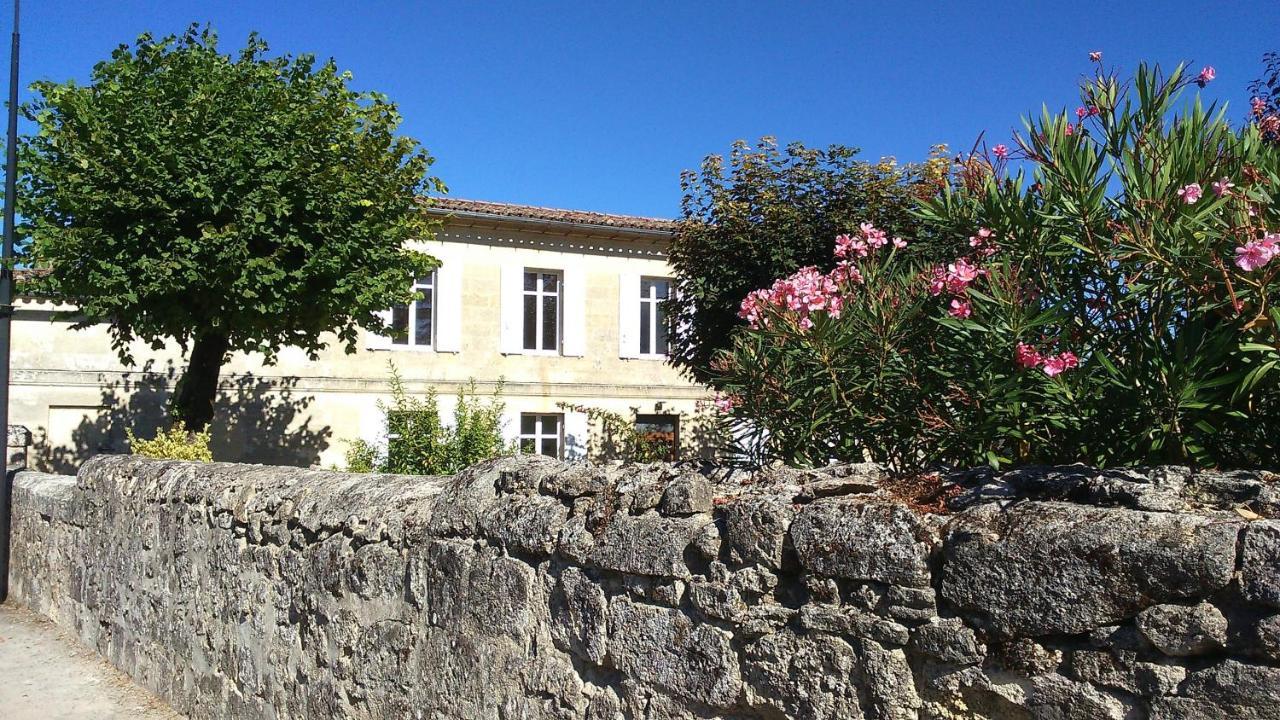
x,y
411,348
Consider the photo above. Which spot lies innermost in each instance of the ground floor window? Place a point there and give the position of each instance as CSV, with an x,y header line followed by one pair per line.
x,y
661,434
542,434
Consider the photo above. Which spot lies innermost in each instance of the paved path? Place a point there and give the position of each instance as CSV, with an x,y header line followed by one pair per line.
x,y
45,674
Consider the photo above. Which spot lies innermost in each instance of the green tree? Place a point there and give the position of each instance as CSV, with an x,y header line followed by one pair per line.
x,y
232,203
769,213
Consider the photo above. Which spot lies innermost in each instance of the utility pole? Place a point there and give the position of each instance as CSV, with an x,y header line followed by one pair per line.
x,y
6,302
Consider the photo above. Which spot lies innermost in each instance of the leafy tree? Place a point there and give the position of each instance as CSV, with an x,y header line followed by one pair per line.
x,y
233,203
767,214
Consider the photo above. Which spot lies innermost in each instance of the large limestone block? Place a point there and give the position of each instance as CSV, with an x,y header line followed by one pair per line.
x,y
1054,568
871,541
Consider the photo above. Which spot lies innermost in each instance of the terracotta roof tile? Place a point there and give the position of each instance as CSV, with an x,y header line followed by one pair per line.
x,y
533,212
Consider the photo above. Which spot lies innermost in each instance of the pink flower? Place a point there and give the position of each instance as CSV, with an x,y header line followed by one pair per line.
x,y
875,237
1206,76
1255,254
1053,365
1190,193
1258,106
1222,187
1027,356
845,271
1082,113
724,403
937,281
1001,151
960,308
848,246
981,239
1069,130
899,243
1095,56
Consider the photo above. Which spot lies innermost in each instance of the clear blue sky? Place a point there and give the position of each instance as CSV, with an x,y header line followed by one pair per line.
x,y
600,105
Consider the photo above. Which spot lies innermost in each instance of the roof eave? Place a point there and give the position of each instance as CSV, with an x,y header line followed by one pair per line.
x,y
544,224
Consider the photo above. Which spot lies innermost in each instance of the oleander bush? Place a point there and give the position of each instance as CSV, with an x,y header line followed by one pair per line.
x,y
1111,299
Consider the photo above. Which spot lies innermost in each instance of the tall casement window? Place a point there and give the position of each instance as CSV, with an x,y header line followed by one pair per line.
x,y
542,434
653,317
414,324
541,310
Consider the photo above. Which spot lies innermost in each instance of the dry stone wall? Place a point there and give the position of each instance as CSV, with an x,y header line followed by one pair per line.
x,y
526,588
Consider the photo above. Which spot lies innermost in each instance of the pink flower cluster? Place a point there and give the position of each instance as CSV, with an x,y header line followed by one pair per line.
x,y
984,242
1084,111
869,238
1028,356
955,278
1257,253
803,293
1206,76
808,290
724,403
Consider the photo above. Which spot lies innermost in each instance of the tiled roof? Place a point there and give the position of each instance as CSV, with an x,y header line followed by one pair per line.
x,y
533,212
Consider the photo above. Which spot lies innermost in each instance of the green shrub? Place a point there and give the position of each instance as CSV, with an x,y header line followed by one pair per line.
x,y
1112,300
173,444
418,443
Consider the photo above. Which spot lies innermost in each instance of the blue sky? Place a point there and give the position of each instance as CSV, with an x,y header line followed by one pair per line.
x,y
600,105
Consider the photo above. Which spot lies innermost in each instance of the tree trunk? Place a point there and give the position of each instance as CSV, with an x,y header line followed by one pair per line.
x,y
193,399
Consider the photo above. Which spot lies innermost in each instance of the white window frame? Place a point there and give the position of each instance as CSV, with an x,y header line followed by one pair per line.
x,y
651,304
539,294
538,434
432,285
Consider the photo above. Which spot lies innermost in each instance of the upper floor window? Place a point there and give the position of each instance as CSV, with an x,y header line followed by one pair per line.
x,y
653,316
541,310
542,434
414,324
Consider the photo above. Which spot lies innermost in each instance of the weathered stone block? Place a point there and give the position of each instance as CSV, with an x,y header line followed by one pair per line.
x,y
665,647
1054,568
880,542
1184,630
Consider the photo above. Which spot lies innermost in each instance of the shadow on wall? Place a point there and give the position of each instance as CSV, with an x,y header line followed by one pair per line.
x,y
258,420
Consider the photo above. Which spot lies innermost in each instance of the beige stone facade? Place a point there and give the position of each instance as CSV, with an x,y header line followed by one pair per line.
x,y
71,390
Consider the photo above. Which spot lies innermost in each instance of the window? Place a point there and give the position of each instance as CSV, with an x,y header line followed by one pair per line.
x,y
413,324
653,316
541,434
660,434
541,310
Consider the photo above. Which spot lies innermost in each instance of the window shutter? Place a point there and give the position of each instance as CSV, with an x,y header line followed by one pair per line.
x,y
511,306
374,341
573,340
628,315
448,302
511,428
576,427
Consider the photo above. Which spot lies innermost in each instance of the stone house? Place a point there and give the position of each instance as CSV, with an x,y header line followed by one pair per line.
x,y
564,307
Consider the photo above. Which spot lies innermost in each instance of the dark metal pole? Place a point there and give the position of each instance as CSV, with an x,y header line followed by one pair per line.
x,y
6,301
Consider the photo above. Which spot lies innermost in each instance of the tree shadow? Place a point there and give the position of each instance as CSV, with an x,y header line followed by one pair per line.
x,y
258,420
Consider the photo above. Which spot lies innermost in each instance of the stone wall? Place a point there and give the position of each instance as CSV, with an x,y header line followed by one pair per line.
x,y
526,588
